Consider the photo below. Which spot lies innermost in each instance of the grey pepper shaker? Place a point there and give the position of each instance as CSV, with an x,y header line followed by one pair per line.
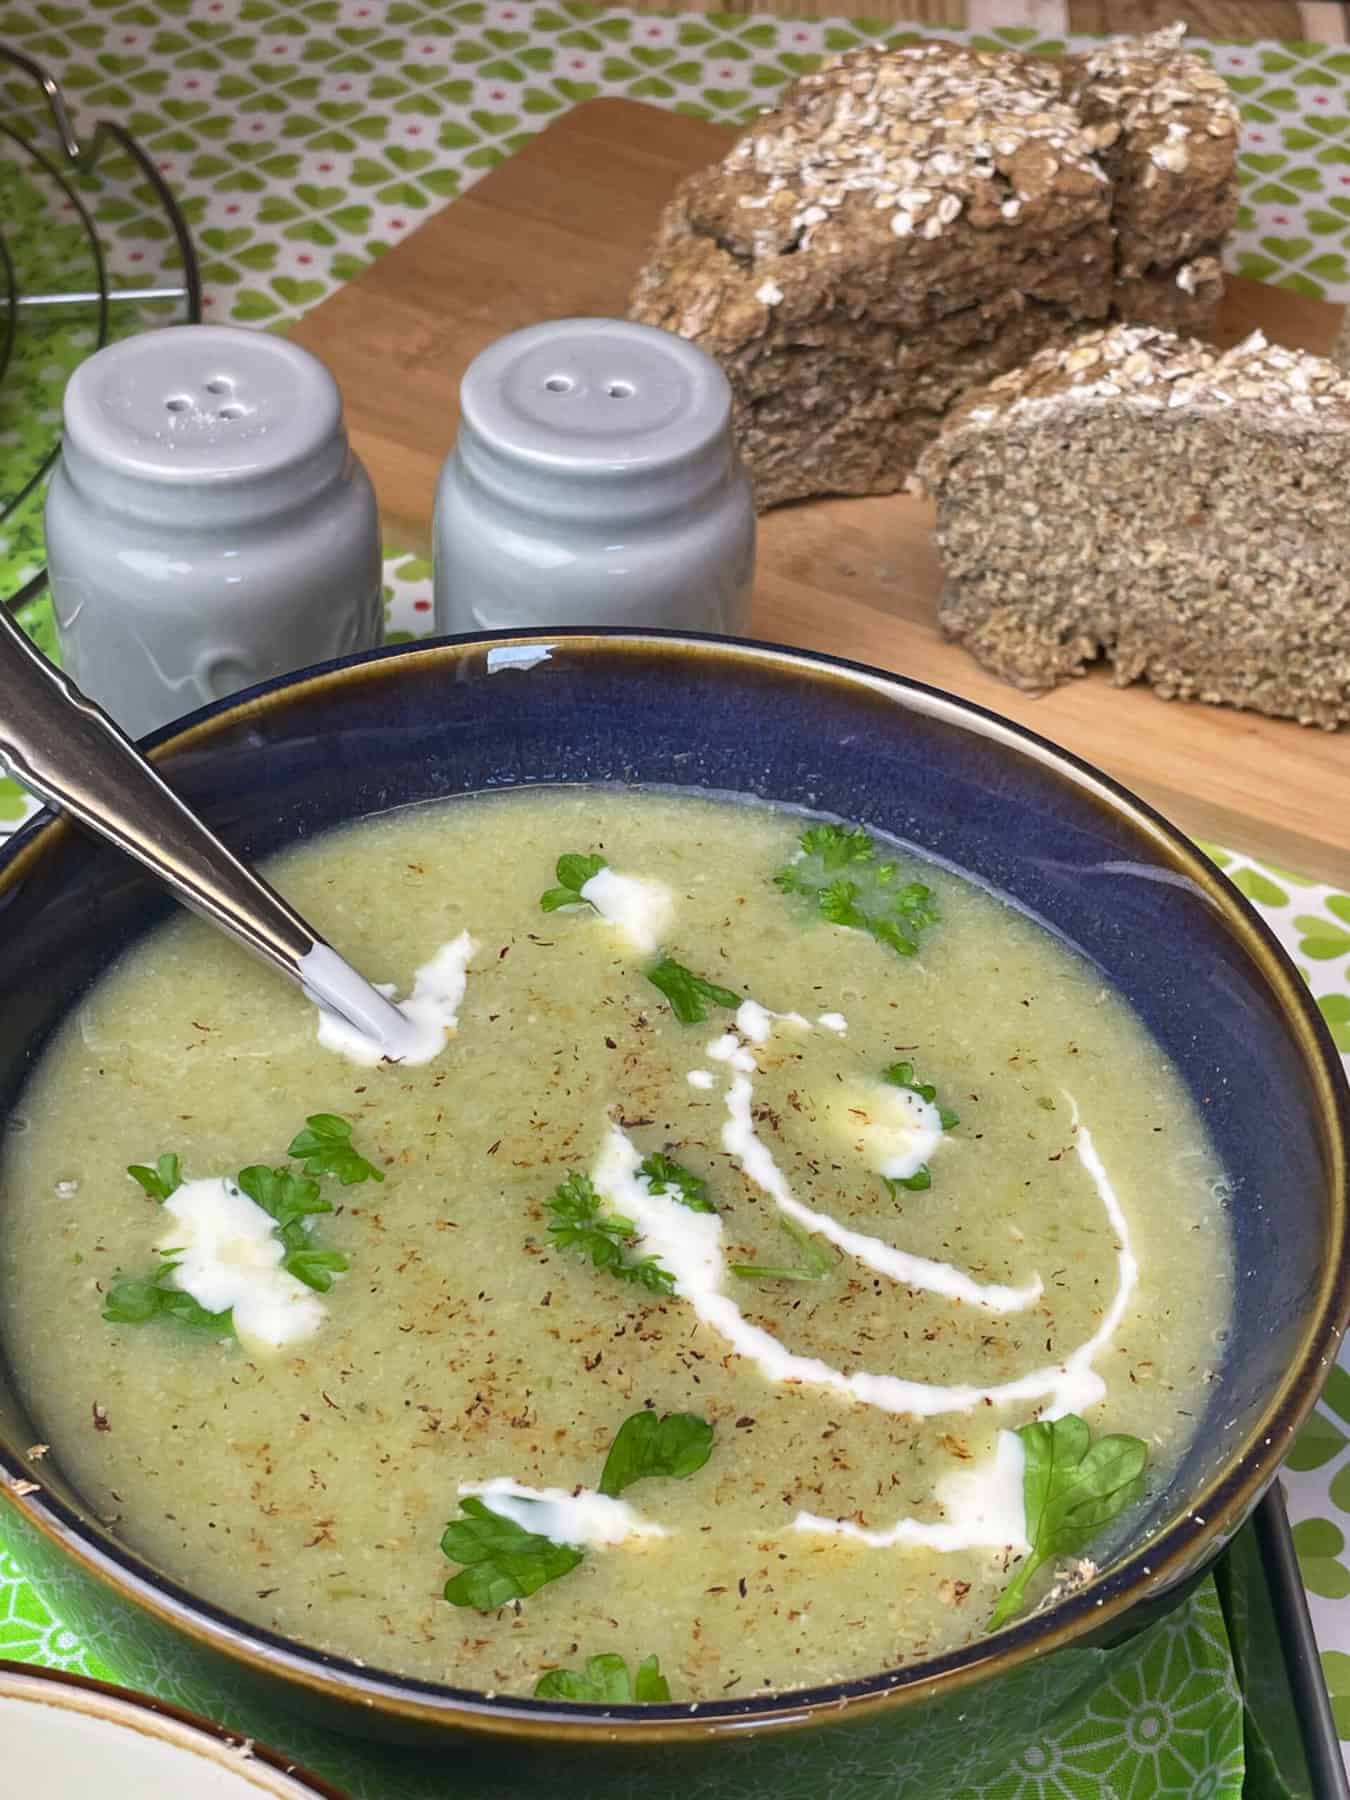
x,y
208,525
594,482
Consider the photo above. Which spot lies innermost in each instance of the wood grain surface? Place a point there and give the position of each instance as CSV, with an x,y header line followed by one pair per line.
x,y
559,230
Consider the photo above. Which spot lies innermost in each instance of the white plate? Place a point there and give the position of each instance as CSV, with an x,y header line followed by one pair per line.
x,y
65,1738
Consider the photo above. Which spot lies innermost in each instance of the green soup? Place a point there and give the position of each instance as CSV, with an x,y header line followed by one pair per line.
x,y
933,1285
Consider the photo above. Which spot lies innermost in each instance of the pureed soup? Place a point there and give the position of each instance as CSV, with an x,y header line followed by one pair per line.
x,y
767,1212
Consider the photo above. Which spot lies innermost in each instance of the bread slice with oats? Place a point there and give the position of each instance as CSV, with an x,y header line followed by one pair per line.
x,y
908,222
1148,498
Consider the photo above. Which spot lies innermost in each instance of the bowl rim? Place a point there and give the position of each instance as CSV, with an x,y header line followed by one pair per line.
x,y
1182,1546
161,1720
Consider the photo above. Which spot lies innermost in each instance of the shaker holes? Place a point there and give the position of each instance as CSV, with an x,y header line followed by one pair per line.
x,y
620,390
177,403
559,384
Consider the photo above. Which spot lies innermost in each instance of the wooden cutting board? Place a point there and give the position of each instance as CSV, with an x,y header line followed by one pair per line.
x,y
560,230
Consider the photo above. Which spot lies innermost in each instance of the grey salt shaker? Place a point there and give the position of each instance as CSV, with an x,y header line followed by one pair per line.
x,y
594,482
208,525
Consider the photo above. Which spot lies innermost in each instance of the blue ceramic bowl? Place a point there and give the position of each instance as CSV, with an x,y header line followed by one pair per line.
x,y
1059,840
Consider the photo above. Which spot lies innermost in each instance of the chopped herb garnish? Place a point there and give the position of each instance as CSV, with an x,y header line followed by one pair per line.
x,y
605,1680
287,1198
505,1561
1071,1487
291,1199
814,1267
838,846
667,1177
502,1560
325,1145
581,1223
689,995
316,1268
164,1179
902,1075
840,872
674,1444
572,873
141,1298
648,1272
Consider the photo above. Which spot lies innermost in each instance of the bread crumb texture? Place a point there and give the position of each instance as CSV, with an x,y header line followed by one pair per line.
x,y
908,223
1178,509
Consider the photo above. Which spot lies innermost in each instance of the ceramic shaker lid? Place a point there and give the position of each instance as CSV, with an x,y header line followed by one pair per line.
x,y
200,403
604,405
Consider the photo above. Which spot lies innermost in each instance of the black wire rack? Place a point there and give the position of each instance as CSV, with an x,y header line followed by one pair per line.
x,y
65,179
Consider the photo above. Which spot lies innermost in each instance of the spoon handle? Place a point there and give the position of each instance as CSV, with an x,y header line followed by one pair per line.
x,y
57,742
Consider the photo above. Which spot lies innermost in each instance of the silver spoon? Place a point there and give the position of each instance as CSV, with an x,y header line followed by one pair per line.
x,y
65,748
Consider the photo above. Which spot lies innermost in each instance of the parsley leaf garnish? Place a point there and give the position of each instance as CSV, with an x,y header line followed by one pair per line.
x,y
838,846
674,1444
689,994
667,1177
572,872
815,1266
902,1075
648,1272
316,1268
1071,1487
286,1197
580,1223
502,1560
291,1199
605,1680
575,1206
325,1145
839,870
136,1301
164,1179
506,1561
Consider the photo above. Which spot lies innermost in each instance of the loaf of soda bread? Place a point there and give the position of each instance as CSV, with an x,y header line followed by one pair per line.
x,y
908,222
1146,497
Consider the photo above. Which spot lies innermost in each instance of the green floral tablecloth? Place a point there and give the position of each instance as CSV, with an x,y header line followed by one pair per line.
x,y
305,139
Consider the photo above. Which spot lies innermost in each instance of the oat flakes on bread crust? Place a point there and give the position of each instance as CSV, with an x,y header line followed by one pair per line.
x,y
890,193
886,151
1154,371
1166,126
1144,496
